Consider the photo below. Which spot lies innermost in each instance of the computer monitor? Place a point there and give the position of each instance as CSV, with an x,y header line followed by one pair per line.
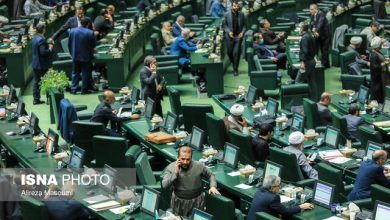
x,y
150,108
298,122
150,200
363,95
197,138
77,158
272,107
251,95
323,194
386,106
20,109
332,137
381,211
200,215
51,142
170,121
34,122
272,168
230,155
371,148
112,173
134,95
11,95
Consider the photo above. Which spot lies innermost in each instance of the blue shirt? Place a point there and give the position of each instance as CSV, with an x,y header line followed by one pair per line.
x,y
182,47
217,10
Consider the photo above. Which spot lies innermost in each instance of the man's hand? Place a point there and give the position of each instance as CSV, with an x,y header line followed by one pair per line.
x,y
198,46
177,166
241,35
96,33
103,40
302,65
51,46
306,206
52,188
244,122
368,63
231,35
363,56
153,68
214,191
274,59
192,34
316,34
135,116
159,88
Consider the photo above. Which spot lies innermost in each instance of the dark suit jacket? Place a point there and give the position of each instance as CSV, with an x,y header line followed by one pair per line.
x,y
102,25
265,201
148,83
307,47
41,54
63,208
103,114
9,207
269,36
176,30
353,123
81,44
70,23
144,4
369,173
262,52
325,115
228,23
320,23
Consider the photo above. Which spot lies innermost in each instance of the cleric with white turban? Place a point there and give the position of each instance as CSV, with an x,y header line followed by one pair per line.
x,y
235,120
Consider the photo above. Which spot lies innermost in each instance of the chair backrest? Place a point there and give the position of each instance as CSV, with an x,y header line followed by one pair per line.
x,y
170,74
346,58
250,60
64,45
186,11
265,216
380,193
33,209
216,203
174,100
352,81
333,176
132,154
280,156
244,142
83,132
368,134
311,113
156,43
90,12
267,80
55,97
292,95
195,114
67,115
339,122
109,150
216,131
144,170
4,11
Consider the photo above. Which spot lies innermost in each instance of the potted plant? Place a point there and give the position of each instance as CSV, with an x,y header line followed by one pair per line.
x,y
54,79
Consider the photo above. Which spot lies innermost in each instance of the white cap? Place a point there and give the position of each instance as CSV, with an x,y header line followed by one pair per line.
x,y
237,110
356,40
376,42
296,138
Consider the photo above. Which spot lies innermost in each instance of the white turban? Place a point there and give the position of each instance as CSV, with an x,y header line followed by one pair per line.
x,y
356,40
296,138
376,42
237,110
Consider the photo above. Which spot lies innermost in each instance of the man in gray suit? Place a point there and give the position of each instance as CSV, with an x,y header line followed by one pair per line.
x,y
323,110
234,25
354,120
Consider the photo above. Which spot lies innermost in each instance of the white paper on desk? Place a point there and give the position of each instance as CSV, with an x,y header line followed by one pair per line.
x,y
95,199
234,173
285,199
126,114
104,206
334,218
171,143
119,27
339,160
120,210
243,186
330,154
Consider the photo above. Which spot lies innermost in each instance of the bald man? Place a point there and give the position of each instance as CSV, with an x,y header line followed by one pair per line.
x,y
323,110
166,33
104,114
370,172
185,177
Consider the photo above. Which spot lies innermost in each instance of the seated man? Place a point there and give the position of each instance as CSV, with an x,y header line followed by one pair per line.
x,y
143,4
263,52
218,9
104,114
267,200
34,7
103,23
361,59
371,31
183,46
260,143
370,172
185,177
354,120
296,143
179,25
270,37
323,110
166,33
64,206
235,120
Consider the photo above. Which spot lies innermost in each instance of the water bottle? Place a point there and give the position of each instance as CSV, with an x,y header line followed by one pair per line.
x,y
169,128
293,194
338,209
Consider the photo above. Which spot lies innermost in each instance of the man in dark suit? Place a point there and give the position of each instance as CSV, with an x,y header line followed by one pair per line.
x,y
267,200
82,44
263,52
354,120
143,4
152,83
234,25
370,172
41,60
72,22
323,110
321,31
179,25
270,37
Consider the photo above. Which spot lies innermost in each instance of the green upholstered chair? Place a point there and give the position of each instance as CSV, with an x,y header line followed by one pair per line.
x,y
216,203
90,12
195,114
64,65
186,11
334,176
216,131
145,174
116,157
368,134
292,172
4,11
170,73
167,63
100,6
378,193
311,113
156,42
254,27
267,80
33,209
163,58
339,122
83,132
174,101
387,91
292,95
251,64
265,216
132,154
362,22
244,142
175,15
346,58
352,81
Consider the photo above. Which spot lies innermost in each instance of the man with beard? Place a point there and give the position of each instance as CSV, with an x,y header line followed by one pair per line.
x,y
72,22
185,177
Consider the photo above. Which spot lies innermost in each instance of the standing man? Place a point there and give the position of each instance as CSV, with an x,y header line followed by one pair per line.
x,y
185,177
34,7
321,32
308,64
218,9
152,83
72,22
82,44
41,60
234,25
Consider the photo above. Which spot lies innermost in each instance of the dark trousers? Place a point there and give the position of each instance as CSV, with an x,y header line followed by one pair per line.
x,y
323,46
112,133
309,77
37,83
234,51
282,60
85,69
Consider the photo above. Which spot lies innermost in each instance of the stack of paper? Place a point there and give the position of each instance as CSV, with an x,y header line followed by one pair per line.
x,y
339,160
330,154
104,206
95,199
